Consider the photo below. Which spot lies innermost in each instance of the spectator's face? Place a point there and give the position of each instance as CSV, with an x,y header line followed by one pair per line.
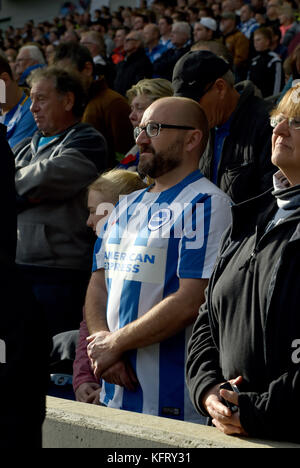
x,y
149,34
227,25
95,198
90,45
178,37
261,42
286,149
228,5
209,103
201,33
216,9
23,61
272,10
131,43
164,27
49,108
138,106
260,19
245,14
138,24
50,52
10,55
120,38
161,154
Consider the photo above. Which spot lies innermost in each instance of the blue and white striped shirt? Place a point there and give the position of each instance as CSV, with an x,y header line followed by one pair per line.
x,y
151,241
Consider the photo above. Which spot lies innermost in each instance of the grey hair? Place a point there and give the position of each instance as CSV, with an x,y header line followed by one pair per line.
x,y
35,53
229,78
183,27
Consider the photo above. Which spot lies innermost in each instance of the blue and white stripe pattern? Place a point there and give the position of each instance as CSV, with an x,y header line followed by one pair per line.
x,y
170,235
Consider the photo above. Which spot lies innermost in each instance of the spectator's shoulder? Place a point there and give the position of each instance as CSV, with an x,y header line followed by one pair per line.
x,y
21,145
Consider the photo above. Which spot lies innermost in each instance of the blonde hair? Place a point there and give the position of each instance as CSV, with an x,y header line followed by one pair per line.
x,y
289,104
117,182
154,88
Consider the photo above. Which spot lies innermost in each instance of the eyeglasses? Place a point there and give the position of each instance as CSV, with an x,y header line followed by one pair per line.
x,y
153,129
293,122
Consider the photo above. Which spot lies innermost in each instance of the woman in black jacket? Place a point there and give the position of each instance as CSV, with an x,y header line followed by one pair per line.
x,y
248,330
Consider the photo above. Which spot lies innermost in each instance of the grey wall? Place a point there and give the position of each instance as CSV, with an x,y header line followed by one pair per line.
x,y
21,11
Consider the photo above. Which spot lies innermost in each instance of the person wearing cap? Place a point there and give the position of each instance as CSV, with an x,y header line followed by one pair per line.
x,y
236,42
205,29
237,157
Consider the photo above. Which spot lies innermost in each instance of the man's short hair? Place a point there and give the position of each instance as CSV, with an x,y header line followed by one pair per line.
x,y
64,82
95,38
195,71
183,27
76,53
168,19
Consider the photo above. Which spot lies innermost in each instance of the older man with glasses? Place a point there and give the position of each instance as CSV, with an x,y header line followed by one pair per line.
x,y
237,157
152,264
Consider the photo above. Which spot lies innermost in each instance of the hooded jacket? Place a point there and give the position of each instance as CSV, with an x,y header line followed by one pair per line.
x,y
52,182
245,169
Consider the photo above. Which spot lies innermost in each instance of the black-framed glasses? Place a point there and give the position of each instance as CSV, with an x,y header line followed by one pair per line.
x,y
153,129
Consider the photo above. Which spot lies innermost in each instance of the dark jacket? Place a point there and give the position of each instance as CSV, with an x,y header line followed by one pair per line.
x,y
245,169
24,344
132,69
163,67
8,234
250,322
108,112
266,73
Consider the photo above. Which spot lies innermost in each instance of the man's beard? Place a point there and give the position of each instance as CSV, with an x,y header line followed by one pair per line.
x,y
161,162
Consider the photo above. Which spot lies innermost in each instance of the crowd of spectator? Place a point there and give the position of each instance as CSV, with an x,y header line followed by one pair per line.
x,y
261,37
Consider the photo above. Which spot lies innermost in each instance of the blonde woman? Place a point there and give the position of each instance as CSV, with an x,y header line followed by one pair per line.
x,y
140,96
106,189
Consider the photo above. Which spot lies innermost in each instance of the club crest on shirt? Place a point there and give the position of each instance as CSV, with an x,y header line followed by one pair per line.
x,y
159,219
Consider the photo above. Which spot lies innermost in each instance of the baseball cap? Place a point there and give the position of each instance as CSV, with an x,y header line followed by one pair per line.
x,y
194,71
209,23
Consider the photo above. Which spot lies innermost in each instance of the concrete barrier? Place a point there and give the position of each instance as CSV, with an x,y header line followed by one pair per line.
x,y
71,424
